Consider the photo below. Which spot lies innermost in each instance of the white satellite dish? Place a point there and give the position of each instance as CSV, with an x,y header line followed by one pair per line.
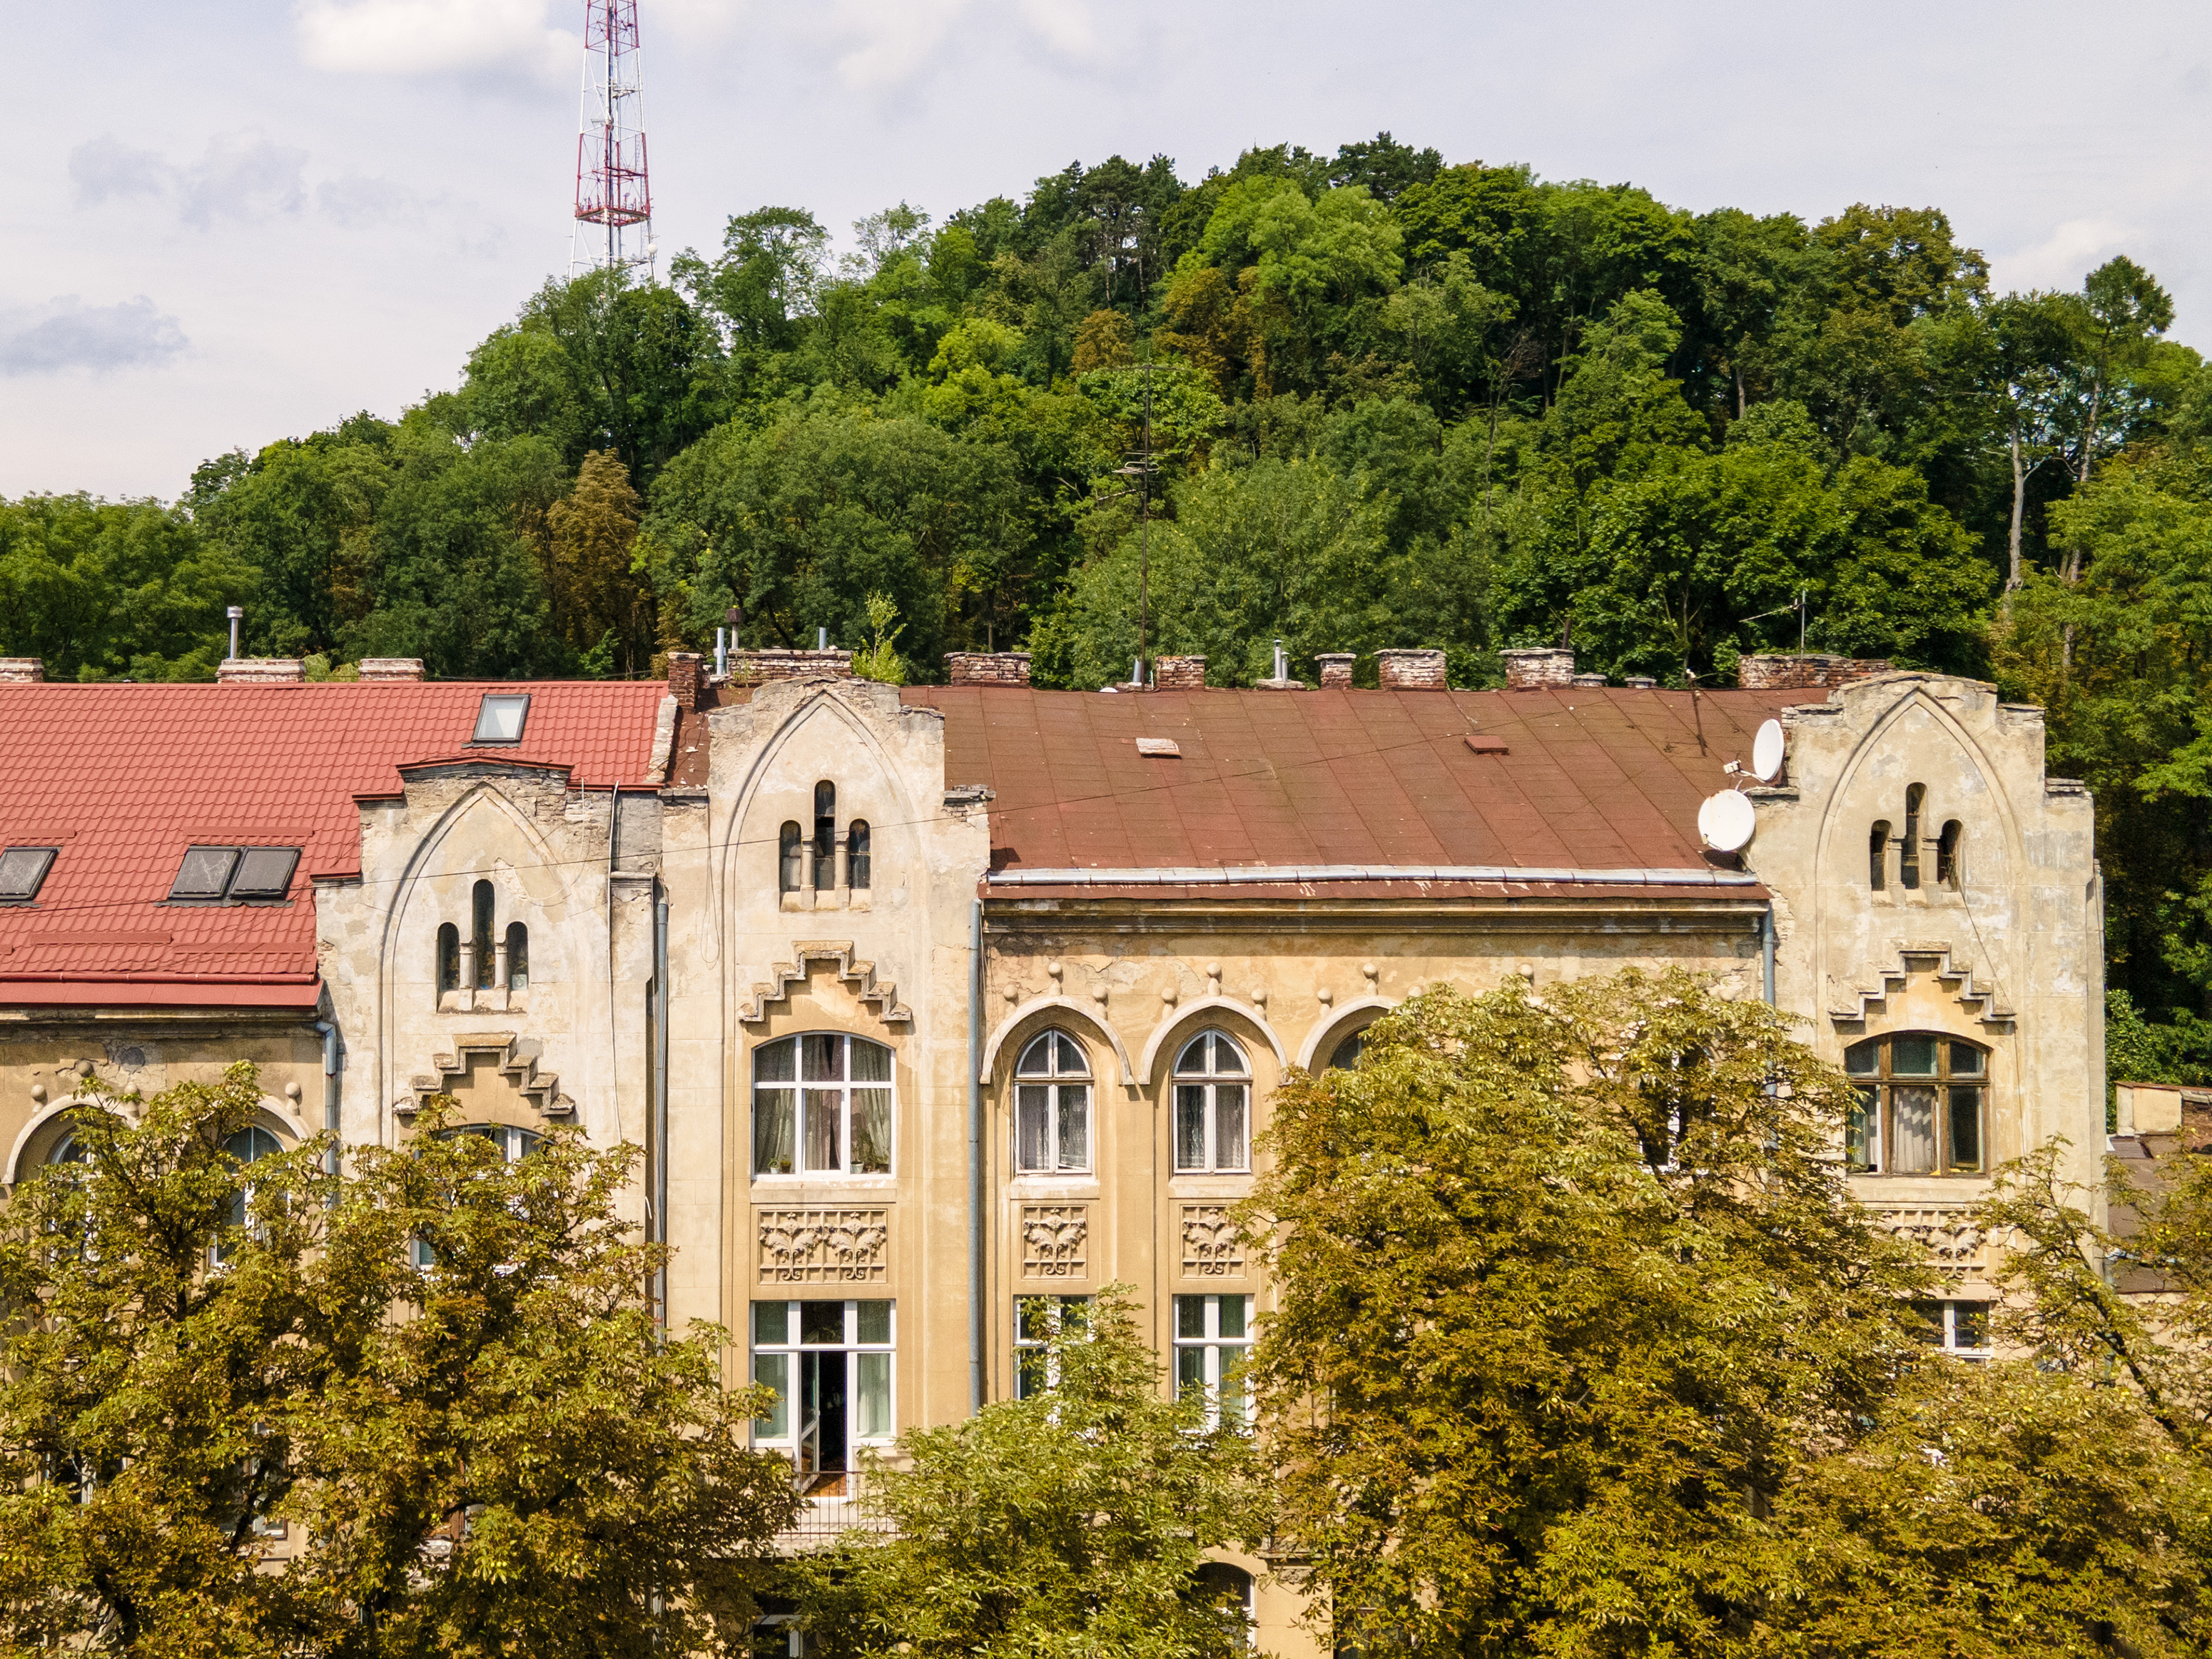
x,y
1766,751
1726,821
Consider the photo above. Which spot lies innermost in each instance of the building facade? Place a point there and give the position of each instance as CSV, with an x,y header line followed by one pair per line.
x,y
927,1003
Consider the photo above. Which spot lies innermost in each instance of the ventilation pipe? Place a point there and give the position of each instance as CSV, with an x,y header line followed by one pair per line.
x,y
821,639
1282,668
722,652
237,615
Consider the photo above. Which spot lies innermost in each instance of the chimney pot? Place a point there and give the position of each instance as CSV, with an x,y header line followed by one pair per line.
x,y
384,668
1411,671
261,670
21,670
1538,667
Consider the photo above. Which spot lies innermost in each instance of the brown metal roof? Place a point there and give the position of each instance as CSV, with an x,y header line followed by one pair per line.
x,y
1588,779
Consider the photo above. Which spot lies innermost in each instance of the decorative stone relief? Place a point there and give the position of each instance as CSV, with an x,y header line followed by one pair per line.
x,y
825,1246
1053,1240
1211,1246
1947,1231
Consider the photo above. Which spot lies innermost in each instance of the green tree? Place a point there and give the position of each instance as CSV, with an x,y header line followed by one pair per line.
x,y
600,604
1072,1523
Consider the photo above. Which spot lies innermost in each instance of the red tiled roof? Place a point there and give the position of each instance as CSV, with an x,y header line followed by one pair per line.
x,y
123,778
1589,779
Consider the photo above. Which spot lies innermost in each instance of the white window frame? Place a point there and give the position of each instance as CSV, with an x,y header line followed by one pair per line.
x,y
1203,1357
799,1088
1031,1338
1212,1082
1948,1333
771,1359
1053,1083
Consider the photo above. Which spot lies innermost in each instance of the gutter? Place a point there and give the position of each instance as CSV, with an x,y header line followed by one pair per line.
x,y
1302,874
1766,948
657,1133
976,1158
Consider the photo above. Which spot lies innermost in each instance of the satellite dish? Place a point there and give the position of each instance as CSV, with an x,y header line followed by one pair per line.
x,y
1767,752
1726,821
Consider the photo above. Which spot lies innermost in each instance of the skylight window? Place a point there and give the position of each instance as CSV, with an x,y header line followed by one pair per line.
x,y
500,717
235,872
22,871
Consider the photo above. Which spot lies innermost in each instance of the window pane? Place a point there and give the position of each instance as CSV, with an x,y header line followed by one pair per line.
x,y
1190,1127
1965,1060
204,872
1190,1315
822,1059
1074,1126
875,1322
871,1062
872,1416
1233,1386
772,1061
1070,1057
771,1324
1966,1127
1033,1126
822,1107
1032,1319
1029,1373
1232,1314
872,1130
821,1324
1348,1052
1912,1056
773,1371
1859,1149
1193,1061
772,1131
1229,1125
1036,1059
1190,1370
1862,1058
499,718
1911,1131
1970,1324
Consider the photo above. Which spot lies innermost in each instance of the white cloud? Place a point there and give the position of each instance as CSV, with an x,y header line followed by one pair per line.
x,y
241,175
879,45
65,334
2061,261
434,37
105,168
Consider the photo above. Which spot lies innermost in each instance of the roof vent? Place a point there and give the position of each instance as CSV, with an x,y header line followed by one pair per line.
x,y
21,670
261,670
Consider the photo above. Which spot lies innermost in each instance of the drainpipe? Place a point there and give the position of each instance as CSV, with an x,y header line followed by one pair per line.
x,y
329,1032
1766,948
976,1156
659,1130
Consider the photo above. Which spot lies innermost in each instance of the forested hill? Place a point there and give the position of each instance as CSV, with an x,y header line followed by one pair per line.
x,y
1393,403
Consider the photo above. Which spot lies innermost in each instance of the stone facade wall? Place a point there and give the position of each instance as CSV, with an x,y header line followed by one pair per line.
x,y
261,670
1774,672
988,667
1410,670
1526,670
1178,673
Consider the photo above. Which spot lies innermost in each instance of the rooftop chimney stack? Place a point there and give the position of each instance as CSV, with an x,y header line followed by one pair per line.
x,y
1178,673
390,669
21,670
1537,669
1411,671
261,670
988,667
1336,668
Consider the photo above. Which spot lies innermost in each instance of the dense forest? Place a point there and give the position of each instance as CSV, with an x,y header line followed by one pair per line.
x,y
1360,400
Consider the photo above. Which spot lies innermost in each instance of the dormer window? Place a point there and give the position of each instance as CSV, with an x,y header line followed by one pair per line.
x,y
500,717
23,871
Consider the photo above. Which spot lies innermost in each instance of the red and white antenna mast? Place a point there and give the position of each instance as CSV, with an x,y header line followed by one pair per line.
x,y
613,196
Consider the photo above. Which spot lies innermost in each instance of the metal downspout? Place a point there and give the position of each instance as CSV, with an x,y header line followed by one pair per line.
x,y
659,1130
1766,947
976,1158
329,1036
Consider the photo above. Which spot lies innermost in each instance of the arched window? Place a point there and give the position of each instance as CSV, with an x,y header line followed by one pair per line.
x,y
787,855
1349,1047
821,1103
1051,1106
1878,855
514,1145
248,1145
1947,855
1229,1589
449,958
858,873
487,964
517,956
1213,1091
1923,1101
1908,853
825,837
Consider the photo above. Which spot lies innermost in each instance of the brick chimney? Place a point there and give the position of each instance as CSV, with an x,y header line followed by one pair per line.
x,y
1411,671
988,667
1544,665
685,673
1777,671
1178,673
21,670
392,668
753,667
1595,680
261,670
1336,668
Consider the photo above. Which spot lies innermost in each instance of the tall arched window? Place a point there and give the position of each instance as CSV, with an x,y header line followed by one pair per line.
x,y
514,1145
517,956
1922,1105
1878,855
487,962
449,958
248,1145
1051,1106
788,858
1947,855
1212,1093
825,837
858,860
1908,853
822,1103
1348,1049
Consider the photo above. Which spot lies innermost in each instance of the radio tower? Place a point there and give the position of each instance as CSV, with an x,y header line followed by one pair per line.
x,y
613,196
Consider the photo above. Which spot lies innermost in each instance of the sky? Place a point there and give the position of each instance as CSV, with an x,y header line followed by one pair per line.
x,y
233,222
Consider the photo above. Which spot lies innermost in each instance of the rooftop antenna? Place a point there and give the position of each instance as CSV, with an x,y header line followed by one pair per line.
x,y
614,196
1140,469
